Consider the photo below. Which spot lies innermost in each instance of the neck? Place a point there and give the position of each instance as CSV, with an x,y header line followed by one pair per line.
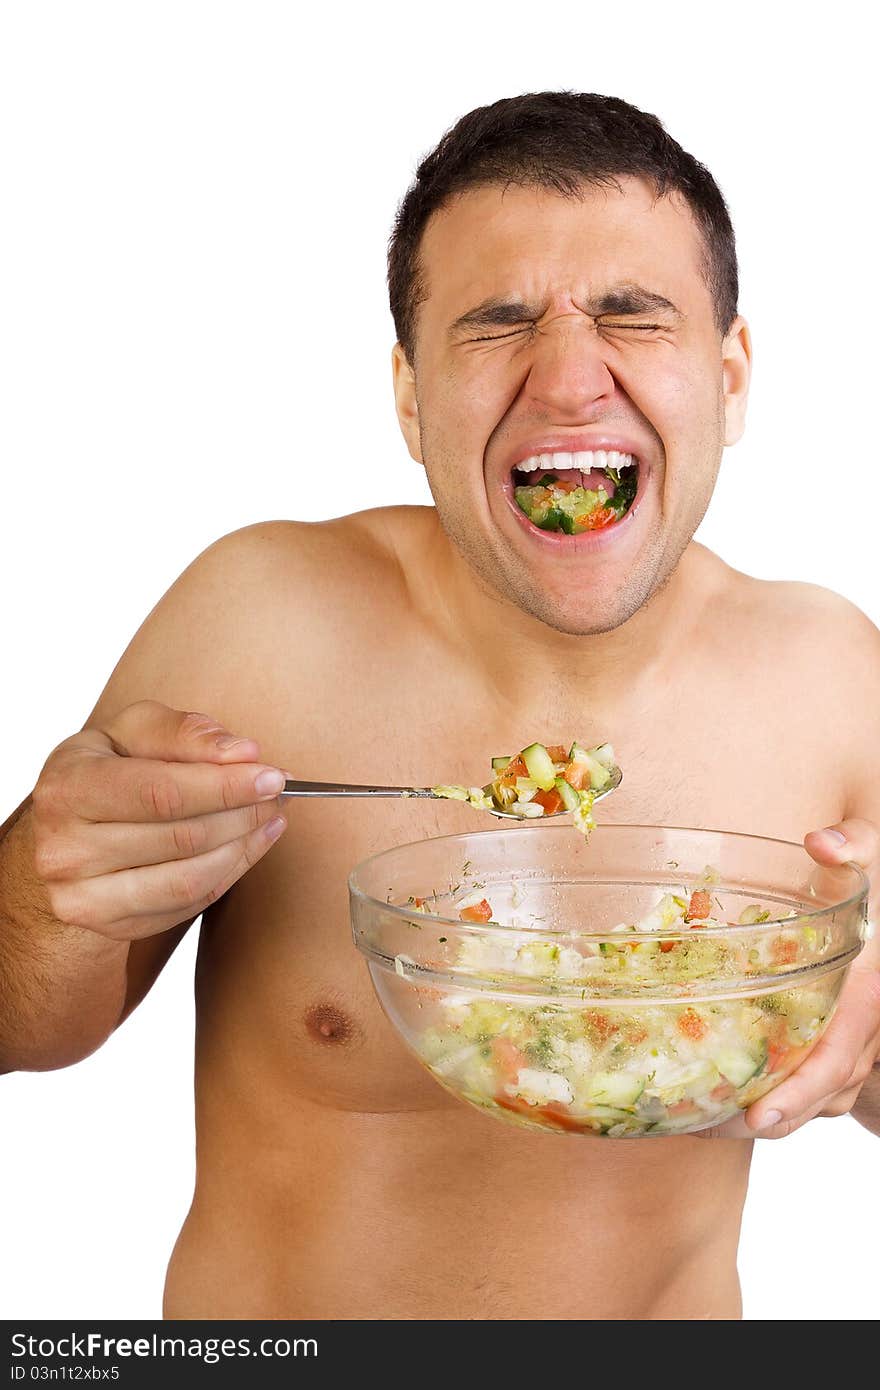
x,y
529,663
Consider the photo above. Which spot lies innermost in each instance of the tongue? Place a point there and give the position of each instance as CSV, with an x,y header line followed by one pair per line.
x,y
592,480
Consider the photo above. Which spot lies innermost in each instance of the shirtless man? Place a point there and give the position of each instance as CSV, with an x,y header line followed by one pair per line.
x,y
336,1179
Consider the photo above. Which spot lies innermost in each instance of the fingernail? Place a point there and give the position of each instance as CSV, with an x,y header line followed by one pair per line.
x,y
273,828
230,740
269,783
835,835
771,1118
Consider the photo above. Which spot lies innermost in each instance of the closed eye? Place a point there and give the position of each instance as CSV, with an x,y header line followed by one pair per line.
x,y
638,327
494,337
635,327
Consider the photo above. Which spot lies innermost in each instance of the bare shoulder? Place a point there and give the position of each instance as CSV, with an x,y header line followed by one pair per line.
x,y
813,624
373,544
818,656
236,619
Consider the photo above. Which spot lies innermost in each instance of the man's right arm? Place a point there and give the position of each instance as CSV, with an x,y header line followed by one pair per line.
x,y
137,823
63,989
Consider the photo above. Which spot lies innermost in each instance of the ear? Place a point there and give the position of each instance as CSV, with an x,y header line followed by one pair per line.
x,y
405,400
736,365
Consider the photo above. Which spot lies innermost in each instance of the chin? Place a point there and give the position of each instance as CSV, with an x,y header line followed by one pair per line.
x,y
582,618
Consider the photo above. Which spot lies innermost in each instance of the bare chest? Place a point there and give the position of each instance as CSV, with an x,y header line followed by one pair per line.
x,y
717,746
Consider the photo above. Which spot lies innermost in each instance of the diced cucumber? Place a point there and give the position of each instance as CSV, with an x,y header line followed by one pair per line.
x,y
599,774
680,1083
615,1088
737,1064
539,766
607,1114
551,521
604,754
570,798
751,915
526,784
499,764
599,765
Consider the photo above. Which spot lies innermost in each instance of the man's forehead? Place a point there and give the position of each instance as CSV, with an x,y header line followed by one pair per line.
x,y
505,240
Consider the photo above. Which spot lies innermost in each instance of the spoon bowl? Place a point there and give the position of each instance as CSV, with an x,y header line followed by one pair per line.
x,y
611,785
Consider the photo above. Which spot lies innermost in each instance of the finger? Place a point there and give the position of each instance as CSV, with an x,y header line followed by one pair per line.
x,y
849,841
125,905
108,846
98,787
831,1064
841,1104
148,729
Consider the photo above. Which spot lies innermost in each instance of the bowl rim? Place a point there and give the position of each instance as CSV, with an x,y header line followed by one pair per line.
x,y
498,928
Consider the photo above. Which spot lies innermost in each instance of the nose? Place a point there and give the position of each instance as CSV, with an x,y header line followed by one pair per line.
x,y
569,374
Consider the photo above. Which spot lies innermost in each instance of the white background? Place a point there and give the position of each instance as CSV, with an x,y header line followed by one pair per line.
x,y
196,203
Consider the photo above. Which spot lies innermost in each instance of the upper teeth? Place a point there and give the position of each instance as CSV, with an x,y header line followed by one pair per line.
x,y
598,458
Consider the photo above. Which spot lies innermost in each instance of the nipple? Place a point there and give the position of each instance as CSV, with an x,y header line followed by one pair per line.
x,y
328,1024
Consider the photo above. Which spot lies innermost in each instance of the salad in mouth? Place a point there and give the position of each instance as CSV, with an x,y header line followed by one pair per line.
x,y
629,1066
541,781
576,493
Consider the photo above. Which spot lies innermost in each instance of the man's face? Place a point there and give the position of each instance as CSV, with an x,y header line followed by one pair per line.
x,y
614,348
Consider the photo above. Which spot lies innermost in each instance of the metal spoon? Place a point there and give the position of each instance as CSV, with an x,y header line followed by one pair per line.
x,y
294,788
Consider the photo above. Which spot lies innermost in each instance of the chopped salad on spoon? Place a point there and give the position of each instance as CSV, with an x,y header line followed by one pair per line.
x,y
543,781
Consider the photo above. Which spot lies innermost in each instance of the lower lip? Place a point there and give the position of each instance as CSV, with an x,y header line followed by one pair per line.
x,y
589,541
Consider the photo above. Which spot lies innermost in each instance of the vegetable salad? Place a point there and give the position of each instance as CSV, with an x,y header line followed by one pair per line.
x,y
641,1066
540,781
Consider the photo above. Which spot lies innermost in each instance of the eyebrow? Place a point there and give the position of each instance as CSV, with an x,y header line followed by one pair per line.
x,y
619,300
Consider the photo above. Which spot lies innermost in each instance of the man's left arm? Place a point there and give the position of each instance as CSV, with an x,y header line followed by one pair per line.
x,y
841,1075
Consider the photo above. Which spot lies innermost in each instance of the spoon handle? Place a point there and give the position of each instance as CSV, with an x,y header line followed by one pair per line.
x,y
294,788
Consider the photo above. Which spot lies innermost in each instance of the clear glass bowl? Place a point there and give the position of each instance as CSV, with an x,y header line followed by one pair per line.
x,y
557,1015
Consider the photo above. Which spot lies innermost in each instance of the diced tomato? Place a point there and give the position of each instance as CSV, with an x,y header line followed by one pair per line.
x,y
700,904
564,485
784,952
684,1107
515,768
558,754
508,1058
577,775
691,1025
553,1113
551,801
635,1033
782,1054
595,520
667,946
790,1060
480,912
418,902
723,1091
558,1114
775,1055
599,1024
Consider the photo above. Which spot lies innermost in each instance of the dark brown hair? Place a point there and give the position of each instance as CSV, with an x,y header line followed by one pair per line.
x,y
560,141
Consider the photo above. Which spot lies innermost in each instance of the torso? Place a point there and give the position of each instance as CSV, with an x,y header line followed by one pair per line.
x,y
336,1179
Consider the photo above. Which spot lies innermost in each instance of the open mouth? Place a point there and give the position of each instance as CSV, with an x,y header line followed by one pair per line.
x,y
594,492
